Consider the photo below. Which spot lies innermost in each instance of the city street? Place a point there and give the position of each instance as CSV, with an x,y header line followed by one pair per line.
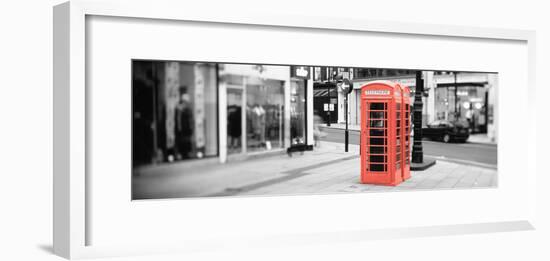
x,y
326,169
485,154
178,152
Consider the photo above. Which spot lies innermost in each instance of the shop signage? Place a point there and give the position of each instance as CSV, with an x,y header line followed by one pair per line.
x,y
300,71
328,107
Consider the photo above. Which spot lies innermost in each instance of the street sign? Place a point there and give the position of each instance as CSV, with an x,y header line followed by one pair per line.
x,y
346,86
331,107
343,83
325,107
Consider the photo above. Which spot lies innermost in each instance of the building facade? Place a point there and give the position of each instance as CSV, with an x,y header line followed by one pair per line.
x,y
454,96
213,112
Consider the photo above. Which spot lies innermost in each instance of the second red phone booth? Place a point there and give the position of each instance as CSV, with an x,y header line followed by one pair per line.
x,y
385,138
406,127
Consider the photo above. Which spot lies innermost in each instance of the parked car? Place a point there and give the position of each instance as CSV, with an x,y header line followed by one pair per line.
x,y
446,131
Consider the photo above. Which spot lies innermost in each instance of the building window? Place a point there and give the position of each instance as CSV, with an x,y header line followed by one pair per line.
x,y
298,112
175,108
264,114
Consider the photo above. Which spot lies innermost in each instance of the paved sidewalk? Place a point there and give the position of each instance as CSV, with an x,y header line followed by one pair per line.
x,y
327,169
344,178
481,138
178,180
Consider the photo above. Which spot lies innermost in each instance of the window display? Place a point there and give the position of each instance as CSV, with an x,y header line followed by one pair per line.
x,y
234,119
264,114
174,110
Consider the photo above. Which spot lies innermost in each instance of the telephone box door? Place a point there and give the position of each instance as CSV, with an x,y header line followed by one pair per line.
x,y
374,132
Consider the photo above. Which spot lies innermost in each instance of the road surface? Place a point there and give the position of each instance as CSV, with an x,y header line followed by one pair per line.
x,y
475,152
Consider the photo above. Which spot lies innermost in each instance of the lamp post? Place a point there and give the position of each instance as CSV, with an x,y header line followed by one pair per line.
x,y
417,153
328,111
456,100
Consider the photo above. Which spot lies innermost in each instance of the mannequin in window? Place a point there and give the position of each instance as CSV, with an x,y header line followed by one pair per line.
x,y
184,127
260,122
234,126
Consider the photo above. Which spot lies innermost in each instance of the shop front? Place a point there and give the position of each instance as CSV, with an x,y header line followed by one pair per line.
x,y
190,111
299,111
173,111
466,98
266,109
255,108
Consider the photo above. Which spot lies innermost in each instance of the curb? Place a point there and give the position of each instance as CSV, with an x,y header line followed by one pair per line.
x,y
338,128
482,143
428,162
459,161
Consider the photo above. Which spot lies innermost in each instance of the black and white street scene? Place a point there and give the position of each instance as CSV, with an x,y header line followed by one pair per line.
x,y
208,129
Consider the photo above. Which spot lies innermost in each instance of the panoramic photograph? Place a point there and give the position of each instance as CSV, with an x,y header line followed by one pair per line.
x,y
209,129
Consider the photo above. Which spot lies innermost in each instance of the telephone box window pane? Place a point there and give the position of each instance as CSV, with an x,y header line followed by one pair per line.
x,y
377,106
377,132
377,115
377,141
377,123
376,167
375,158
377,150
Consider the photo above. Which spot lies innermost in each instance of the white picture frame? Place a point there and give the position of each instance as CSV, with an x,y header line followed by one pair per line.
x,y
72,198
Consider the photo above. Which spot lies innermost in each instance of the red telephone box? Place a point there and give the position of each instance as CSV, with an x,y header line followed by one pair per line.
x,y
383,133
406,127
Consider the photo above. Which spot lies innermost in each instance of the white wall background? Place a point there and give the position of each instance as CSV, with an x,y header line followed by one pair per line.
x,y
26,130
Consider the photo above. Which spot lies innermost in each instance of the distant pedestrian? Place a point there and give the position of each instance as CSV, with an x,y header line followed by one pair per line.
x,y
317,132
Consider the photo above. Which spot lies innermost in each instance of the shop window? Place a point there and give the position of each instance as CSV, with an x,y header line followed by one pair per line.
x,y
183,99
298,112
234,119
264,114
